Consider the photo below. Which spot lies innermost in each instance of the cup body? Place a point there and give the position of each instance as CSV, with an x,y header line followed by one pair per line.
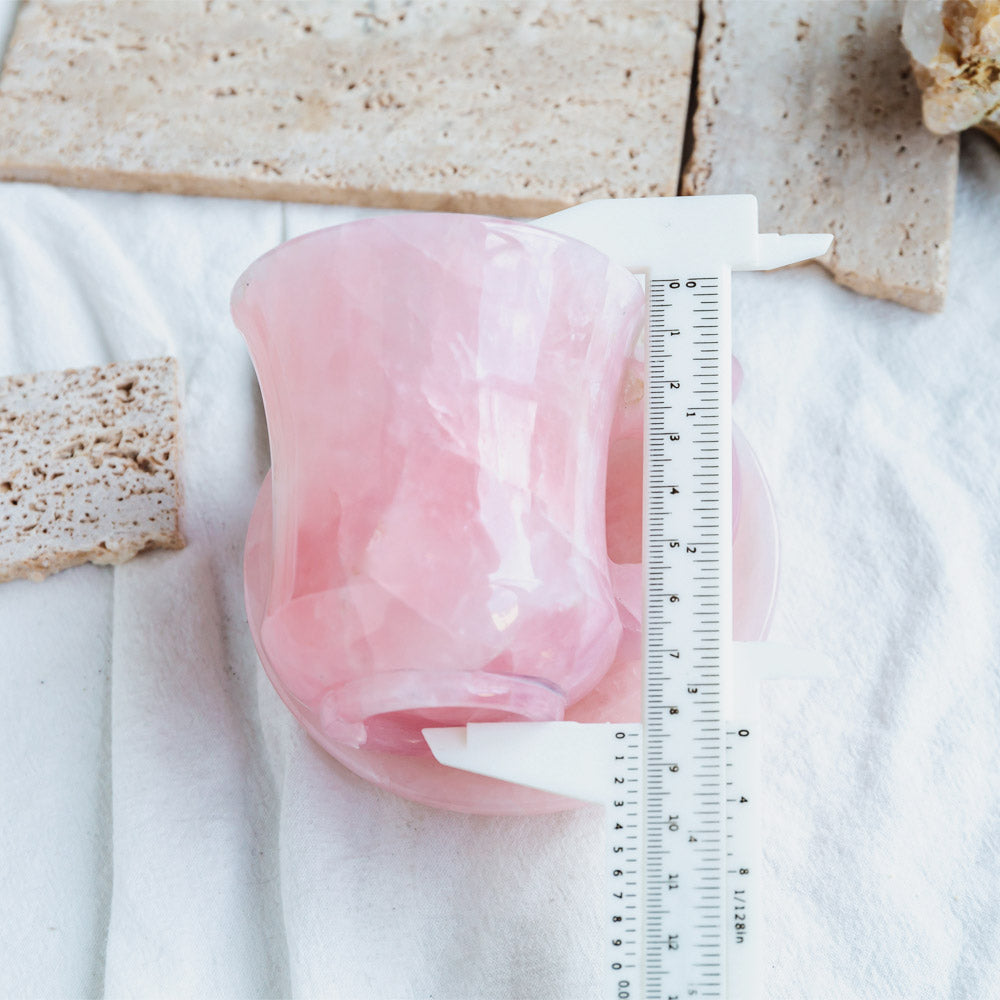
x,y
430,546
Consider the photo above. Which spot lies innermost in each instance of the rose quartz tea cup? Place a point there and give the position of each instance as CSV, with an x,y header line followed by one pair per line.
x,y
430,548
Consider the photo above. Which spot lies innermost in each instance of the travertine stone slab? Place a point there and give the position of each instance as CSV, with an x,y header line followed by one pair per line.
x,y
812,107
89,466
513,108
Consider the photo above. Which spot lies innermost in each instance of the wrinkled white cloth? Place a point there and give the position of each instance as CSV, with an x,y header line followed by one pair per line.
x,y
167,830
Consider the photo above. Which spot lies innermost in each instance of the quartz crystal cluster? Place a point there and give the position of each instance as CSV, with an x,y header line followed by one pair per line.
x,y
955,48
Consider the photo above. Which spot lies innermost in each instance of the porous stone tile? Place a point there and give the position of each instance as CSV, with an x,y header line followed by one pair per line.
x,y
813,108
89,466
512,108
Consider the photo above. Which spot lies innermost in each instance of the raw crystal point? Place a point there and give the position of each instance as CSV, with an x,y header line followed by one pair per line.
x,y
955,47
430,548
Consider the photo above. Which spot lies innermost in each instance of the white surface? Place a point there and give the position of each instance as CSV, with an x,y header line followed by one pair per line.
x,y
168,831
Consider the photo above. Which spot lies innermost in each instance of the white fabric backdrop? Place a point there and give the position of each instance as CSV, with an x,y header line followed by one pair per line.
x,y
166,830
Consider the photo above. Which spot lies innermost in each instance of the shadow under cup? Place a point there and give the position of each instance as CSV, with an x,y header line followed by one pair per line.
x,y
430,546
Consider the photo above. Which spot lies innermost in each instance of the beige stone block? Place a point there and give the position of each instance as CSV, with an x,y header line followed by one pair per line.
x,y
813,108
89,466
512,108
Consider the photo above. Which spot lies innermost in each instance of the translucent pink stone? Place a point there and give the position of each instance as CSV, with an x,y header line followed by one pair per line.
x,y
439,393
452,528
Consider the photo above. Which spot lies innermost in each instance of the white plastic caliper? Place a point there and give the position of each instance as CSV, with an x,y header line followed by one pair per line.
x,y
682,851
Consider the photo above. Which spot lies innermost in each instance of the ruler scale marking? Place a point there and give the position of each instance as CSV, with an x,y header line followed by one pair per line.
x,y
679,959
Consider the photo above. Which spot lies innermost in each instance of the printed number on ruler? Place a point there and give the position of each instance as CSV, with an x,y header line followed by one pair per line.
x,y
623,911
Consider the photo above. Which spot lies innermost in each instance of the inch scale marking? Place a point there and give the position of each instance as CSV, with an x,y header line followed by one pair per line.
x,y
688,583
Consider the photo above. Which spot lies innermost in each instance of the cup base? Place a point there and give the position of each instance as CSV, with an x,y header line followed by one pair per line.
x,y
388,711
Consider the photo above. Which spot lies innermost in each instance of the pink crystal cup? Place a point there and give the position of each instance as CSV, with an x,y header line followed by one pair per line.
x,y
306,309
439,392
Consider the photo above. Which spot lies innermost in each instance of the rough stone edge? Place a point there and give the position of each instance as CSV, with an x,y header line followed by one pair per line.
x,y
104,179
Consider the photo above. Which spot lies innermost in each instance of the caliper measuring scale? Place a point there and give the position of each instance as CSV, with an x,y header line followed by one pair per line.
x,y
682,847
